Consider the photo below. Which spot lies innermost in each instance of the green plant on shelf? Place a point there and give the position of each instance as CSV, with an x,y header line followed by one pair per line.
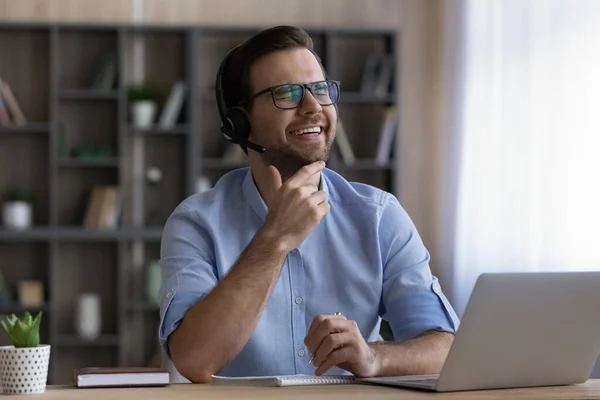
x,y
24,332
19,193
141,92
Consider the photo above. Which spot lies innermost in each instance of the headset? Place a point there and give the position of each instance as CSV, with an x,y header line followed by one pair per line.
x,y
234,122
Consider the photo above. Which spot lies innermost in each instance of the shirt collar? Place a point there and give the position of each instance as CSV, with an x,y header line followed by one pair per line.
x,y
253,197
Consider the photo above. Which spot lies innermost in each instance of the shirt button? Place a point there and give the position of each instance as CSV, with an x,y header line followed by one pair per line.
x,y
169,295
298,300
301,353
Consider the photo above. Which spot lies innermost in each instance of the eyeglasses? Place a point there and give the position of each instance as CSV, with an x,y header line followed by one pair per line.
x,y
291,95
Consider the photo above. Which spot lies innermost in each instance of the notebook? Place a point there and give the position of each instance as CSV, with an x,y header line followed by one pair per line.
x,y
120,377
283,380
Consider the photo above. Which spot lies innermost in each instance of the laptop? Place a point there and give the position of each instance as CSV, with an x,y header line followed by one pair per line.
x,y
520,330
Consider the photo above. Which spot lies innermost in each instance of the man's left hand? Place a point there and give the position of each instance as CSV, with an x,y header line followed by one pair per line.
x,y
336,341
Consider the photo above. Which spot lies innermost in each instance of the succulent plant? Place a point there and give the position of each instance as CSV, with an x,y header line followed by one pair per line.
x,y
24,332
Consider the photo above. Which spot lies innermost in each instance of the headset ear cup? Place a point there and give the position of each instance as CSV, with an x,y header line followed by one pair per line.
x,y
241,125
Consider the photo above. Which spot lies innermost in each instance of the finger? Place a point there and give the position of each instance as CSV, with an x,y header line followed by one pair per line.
x,y
318,197
316,322
330,324
274,177
331,343
324,208
306,191
344,354
305,173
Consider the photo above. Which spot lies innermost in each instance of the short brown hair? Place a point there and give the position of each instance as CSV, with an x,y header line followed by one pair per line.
x,y
236,74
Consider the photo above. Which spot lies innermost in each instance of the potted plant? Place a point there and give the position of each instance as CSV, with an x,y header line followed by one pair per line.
x,y
24,365
142,98
17,210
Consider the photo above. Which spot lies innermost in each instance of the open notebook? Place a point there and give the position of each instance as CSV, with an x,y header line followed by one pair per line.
x,y
284,380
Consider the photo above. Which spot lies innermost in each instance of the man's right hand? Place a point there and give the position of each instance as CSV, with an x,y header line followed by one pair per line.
x,y
297,208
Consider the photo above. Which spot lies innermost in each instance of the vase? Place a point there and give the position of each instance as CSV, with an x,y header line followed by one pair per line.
x,y
16,215
153,282
89,316
24,370
143,113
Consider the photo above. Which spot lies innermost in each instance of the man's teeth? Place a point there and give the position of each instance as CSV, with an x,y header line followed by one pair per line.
x,y
307,130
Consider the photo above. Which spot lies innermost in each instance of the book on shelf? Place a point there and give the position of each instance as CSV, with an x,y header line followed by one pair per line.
x,y
343,144
387,133
11,107
106,75
378,74
103,209
173,105
96,377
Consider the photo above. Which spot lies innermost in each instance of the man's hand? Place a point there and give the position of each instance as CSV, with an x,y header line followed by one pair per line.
x,y
297,207
335,341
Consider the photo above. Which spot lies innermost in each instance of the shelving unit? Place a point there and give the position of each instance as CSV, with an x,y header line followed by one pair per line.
x,y
49,68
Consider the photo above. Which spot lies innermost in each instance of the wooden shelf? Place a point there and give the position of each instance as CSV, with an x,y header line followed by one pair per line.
x,y
219,163
79,234
28,128
360,98
177,130
89,163
88,94
142,306
72,341
363,165
19,309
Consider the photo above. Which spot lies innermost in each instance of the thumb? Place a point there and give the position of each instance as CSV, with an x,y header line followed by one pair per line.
x,y
274,177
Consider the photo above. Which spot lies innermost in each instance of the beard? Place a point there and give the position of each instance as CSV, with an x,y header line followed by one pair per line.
x,y
288,160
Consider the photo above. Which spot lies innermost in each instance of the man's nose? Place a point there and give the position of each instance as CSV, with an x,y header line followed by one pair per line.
x,y
310,105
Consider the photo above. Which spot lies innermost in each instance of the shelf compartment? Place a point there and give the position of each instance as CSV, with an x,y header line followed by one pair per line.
x,y
86,268
25,67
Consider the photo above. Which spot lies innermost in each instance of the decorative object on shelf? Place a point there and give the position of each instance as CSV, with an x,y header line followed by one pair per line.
x,y
88,317
24,365
153,281
31,293
153,177
142,98
173,105
90,152
103,209
11,104
17,210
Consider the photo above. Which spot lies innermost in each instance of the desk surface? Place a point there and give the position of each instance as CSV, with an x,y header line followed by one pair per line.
x,y
590,389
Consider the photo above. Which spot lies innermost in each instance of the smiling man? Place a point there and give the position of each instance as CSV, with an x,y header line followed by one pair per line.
x,y
285,267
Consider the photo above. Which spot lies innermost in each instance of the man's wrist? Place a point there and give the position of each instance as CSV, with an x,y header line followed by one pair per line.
x,y
383,362
269,237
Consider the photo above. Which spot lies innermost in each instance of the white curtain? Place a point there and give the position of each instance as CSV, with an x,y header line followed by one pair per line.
x,y
528,128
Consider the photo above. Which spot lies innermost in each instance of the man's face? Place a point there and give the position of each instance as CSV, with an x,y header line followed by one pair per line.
x,y
277,129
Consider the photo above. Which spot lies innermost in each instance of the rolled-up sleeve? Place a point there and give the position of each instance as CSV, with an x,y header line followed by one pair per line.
x,y
188,271
412,299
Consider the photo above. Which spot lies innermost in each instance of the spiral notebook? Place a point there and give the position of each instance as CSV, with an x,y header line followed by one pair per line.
x,y
283,380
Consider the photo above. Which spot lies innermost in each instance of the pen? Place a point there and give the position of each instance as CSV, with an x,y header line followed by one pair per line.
x,y
313,356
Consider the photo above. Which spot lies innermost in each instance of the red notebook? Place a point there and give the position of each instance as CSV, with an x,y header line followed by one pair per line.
x,y
120,377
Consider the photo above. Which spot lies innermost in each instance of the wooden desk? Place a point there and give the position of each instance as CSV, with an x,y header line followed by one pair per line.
x,y
589,390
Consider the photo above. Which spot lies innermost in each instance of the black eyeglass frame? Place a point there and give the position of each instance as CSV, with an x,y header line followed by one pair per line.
x,y
305,86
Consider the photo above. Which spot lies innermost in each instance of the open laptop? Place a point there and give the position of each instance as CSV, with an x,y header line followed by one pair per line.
x,y
521,330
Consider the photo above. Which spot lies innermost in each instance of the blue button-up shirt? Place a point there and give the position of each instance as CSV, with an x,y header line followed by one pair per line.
x,y
364,259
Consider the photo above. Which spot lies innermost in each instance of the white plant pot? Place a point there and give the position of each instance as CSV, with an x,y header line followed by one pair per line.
x,y
16,215
143,113
89,316
24,370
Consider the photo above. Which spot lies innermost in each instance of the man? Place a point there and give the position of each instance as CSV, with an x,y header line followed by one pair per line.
x,y
286,268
